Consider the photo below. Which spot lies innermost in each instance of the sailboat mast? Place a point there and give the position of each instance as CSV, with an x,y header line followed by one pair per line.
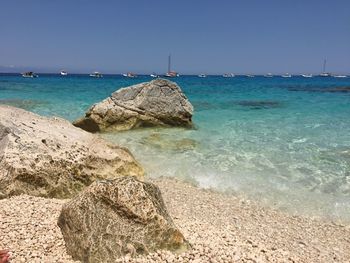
x,y
324,65
169,63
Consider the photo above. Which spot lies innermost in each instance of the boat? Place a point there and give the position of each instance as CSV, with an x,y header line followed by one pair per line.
x,y
340,76
130,75
228,75
63,73
29,74
306,75
154,75
96,75
250,76
268,75
324,73
170,73
202,76
287,75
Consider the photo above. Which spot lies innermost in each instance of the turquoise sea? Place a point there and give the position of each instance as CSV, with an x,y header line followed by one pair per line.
x,y
284,142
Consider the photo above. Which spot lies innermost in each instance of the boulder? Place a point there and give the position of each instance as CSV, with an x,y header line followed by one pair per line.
x,y
112,218
49,157
156,103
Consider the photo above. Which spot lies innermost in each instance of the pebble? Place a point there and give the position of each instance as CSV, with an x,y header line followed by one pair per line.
x,y
220,228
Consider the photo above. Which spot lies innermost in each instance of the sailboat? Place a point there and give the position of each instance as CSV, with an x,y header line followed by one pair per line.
x,y
268,75
324,73
170,73
287,75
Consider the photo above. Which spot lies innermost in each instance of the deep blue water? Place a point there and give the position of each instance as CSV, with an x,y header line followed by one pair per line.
x,y
283,142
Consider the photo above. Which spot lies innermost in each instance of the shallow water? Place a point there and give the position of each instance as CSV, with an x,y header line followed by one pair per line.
x,y
283,142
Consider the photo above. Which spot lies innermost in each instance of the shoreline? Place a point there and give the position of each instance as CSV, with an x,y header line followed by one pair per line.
x,y
220,227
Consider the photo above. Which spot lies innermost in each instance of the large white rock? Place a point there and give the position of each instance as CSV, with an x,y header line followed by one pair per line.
x,y
50,157
156,103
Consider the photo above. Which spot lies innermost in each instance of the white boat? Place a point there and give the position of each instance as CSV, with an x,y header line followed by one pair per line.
x,y
170,73
268,75
306,75
130,75
96,75
287,75
324,73
154,75
29,74
250,76
340,76
63,73
228,75
202,76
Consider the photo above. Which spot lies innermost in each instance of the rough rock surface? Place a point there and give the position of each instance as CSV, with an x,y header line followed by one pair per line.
x,y
156,103
116,217
49,157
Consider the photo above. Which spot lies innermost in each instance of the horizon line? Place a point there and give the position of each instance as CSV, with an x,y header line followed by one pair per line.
x,y
185,74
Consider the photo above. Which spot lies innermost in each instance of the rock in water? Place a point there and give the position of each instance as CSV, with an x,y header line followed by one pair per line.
x,y
112,218
156,103
50,157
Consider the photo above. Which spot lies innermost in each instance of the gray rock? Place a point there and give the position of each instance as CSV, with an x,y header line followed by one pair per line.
x,y
49,157
156,103
112,218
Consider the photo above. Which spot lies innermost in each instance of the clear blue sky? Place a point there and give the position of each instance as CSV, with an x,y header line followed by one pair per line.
x,y
244,36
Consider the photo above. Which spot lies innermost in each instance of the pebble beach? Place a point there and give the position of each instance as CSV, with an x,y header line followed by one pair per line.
x,y
175,132
219,227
